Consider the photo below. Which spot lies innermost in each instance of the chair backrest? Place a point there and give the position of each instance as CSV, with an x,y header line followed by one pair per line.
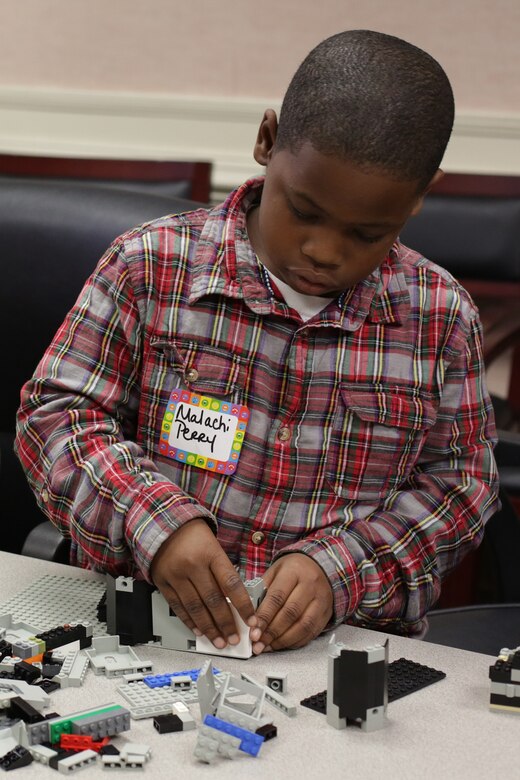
x,y
180,179
53,234
471,225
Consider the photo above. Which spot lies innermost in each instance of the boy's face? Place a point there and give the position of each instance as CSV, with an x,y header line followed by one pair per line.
x,y
324,224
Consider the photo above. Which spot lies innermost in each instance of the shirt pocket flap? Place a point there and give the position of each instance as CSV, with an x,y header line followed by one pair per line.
x,y
205,369
397,406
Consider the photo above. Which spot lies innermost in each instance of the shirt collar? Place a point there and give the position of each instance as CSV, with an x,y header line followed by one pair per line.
x,y
225,264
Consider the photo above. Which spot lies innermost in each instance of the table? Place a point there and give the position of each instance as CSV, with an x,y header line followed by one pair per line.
x,y
443,731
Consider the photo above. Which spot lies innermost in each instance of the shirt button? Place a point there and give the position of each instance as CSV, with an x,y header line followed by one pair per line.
x,y
284,434
258,537
45,495
191,375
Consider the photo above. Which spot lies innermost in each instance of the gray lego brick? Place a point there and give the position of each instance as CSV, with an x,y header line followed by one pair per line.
x,y
42,603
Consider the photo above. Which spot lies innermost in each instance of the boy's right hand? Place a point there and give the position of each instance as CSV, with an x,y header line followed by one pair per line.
x,y
195,575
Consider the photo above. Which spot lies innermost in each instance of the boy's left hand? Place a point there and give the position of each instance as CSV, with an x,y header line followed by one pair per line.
x,y
297,606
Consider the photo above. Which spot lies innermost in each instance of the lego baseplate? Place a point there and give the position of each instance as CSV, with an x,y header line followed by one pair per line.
x,y
54,600
404,677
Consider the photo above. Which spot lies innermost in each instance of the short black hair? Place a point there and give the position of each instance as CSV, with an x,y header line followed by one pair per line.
x,y
373,99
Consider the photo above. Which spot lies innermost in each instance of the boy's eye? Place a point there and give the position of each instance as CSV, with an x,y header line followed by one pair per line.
x,y
302,215
368,239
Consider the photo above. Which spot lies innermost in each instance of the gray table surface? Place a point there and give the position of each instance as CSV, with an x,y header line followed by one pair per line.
x,y
443,731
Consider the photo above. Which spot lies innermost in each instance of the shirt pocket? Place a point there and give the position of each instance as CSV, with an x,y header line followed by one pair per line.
x,y
376,437
174,364
200,368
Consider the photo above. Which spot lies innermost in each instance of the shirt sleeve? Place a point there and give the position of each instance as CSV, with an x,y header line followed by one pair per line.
x,y
386,568
76,432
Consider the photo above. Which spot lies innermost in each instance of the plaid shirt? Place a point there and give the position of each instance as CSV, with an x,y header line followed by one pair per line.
x,y
369,444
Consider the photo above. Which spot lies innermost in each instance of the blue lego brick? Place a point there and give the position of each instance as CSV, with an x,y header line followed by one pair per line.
x,y
164,680
249,742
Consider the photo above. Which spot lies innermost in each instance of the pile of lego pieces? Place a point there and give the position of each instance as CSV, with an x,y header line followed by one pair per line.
x,y
34,664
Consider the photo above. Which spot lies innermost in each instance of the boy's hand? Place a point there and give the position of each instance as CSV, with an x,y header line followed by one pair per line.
x,y
297,606
194,574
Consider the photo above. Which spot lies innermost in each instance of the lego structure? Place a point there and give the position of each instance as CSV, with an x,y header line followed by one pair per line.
x,y
505,681
357,683
157,623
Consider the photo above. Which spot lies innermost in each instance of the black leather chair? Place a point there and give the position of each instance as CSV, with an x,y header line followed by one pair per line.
x,y
53,234
470,225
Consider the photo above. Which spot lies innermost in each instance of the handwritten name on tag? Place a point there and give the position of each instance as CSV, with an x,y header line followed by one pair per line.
x,y
203,431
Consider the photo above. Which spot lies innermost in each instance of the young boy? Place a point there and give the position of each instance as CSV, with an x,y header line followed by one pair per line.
x,y
277,386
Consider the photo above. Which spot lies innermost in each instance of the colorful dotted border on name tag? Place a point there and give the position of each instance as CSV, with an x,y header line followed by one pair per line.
x,y
215,405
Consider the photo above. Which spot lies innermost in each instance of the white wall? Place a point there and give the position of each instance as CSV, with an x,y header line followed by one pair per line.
x,y
164,78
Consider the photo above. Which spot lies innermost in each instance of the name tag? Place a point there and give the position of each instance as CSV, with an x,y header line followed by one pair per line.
x,y
203,431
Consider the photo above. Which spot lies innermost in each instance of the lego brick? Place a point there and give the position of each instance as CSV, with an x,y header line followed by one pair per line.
x,y
32,694
277,682
73,670
21,709
182,712
250,742
16,758
106,722
127,597
267,731
170,631
65,634
166,724
135,754
14,630
206,747
212,741
244,649
107,656
256,590
165,680
80,742
77,761
274,698
26,648
42,753
406,677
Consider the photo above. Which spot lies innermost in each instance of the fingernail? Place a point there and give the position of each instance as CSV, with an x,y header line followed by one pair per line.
x,y
219,643
197,631
258,647
256,633
252,621
234,639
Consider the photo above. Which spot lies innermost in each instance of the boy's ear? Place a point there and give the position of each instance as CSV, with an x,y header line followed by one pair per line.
x,y
266,137
438,175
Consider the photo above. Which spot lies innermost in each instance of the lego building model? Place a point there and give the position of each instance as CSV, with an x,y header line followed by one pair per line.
x,y
505,681
357,683
128,599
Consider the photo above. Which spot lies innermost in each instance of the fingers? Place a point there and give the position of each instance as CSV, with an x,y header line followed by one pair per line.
x,y
195,576
296,608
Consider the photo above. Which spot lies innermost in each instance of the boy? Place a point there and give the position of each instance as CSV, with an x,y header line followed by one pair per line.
x,y
278,387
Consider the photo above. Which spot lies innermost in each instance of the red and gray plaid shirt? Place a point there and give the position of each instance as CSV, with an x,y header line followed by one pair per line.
x,y
369,444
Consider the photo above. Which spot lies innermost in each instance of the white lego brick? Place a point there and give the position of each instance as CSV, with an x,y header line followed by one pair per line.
x,y
73,671
32,694
244,649
80,760
41,753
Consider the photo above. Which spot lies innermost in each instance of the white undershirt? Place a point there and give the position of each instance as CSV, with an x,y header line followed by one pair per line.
x,y
307,306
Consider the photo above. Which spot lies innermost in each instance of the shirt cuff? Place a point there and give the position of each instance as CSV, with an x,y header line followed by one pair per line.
x,y
155,515
340,569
